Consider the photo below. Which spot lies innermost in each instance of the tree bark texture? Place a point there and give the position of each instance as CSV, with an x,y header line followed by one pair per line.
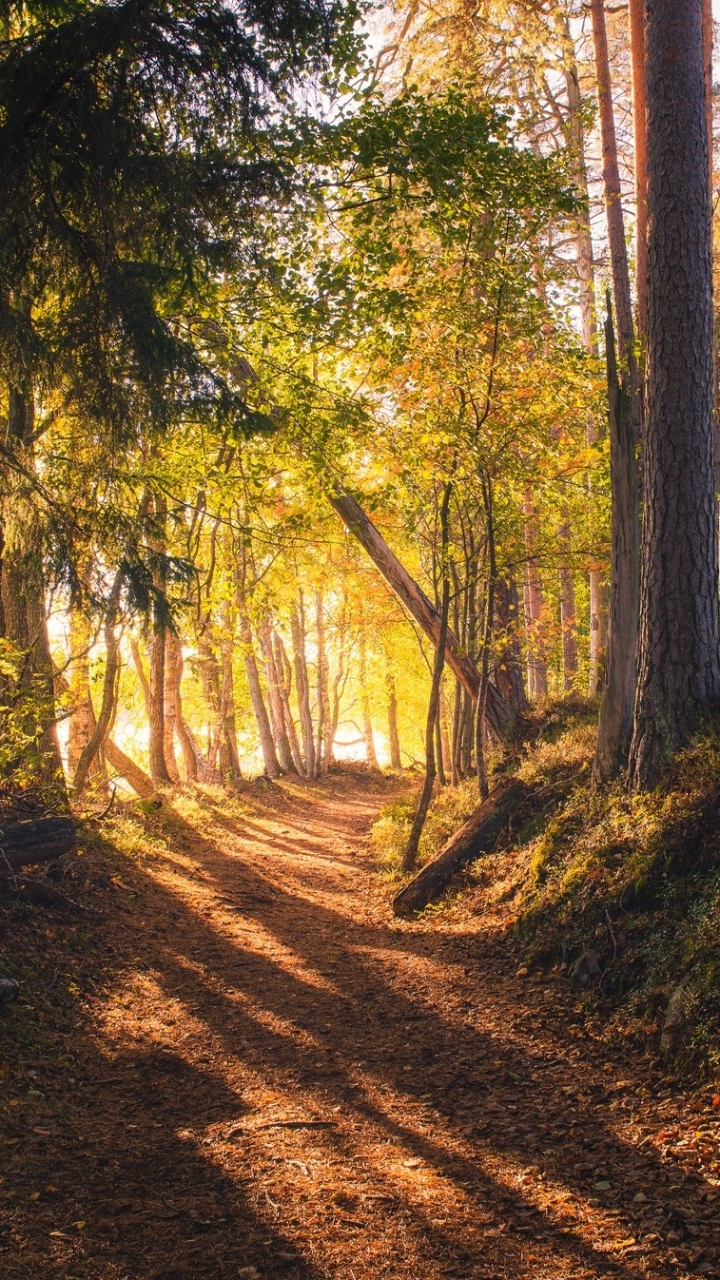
x,y
277,718
502,721
678,658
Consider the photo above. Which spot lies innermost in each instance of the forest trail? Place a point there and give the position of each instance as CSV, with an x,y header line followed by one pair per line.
x,y
273,1079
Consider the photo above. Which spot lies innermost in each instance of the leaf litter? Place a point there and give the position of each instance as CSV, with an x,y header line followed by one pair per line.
x,y
297,1086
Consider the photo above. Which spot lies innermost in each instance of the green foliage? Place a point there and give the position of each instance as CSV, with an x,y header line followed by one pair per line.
x,y
26,709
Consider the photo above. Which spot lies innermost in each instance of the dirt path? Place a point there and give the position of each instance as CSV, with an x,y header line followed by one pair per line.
x,y
260,1074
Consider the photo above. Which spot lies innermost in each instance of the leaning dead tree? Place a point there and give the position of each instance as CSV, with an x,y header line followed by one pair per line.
x,y
503,722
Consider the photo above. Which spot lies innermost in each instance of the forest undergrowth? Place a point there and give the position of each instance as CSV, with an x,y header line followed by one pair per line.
x,y
619,891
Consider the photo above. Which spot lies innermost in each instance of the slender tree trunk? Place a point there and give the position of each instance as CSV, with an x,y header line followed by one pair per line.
x,y
338,688
370,753
302,684
323,750
284,674
568,621
537,666
82,721
262,720
639,110
616,703
392,714
229,755
411,850
613,740
109,698
678,656
277,718
191,756
170,701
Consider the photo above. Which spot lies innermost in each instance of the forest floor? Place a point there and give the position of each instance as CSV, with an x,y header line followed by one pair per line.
x,y
229,1060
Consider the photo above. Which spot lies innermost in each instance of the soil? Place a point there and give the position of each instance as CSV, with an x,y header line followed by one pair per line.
x,y
229,1060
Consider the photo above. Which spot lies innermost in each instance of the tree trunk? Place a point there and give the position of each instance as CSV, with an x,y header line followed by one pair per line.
x,y
508,669
392,714
616,703
639,110
411,850
277,717
323,697
171,709
613,741
267,743
302,684
501,719
568,621
370,753
537,667
229,756
678,658
284,674
109,698
188,746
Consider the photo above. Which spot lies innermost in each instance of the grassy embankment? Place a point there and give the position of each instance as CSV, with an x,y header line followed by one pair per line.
x,y
635,879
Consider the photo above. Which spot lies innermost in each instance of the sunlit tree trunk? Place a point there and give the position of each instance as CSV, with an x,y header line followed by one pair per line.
x,y
284,675
537,666
302,684
277,717
639,110
192,760
262,720
323,749
679,658
392,715
370,752
170,706
568,620
616,704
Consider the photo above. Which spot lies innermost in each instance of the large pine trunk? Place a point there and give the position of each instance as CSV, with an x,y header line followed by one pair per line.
x,y
678,659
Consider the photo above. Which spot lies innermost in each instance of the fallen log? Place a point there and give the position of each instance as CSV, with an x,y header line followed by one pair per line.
x,y
501,718
477,836
40,840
